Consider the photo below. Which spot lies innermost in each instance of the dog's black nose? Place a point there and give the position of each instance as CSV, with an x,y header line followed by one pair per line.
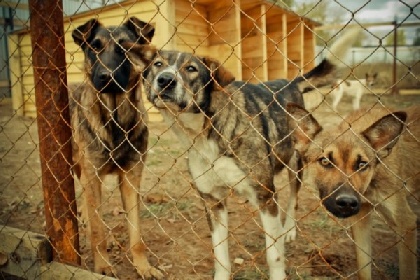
x,y
347,204
166,80
343,202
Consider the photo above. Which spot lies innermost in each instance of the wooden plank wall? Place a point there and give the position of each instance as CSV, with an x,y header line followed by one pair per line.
x,y
23,90
294,48
276,44
254,39
192,28
224,20
309,41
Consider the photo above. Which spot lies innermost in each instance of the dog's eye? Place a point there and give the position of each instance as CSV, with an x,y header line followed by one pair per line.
x,y
362,165
191,68
118,48
325,162
158,64
96,45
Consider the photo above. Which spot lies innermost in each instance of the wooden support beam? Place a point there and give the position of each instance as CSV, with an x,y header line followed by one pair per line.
x,y
54,131
166,22
263,26
367,25
238,49
284,45
302,47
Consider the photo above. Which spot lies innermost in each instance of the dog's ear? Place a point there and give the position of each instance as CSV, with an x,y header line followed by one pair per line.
x,y
304,126
141,55
384,133
219,73
84,33
143,30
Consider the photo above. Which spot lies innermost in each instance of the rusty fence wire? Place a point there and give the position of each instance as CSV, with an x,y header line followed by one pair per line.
x,y
94,180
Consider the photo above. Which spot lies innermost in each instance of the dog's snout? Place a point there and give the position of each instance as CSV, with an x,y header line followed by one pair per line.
x,y
105,76
347,203
166,80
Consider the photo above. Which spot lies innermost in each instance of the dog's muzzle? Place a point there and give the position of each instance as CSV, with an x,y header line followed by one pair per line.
x,y
165,87
344,202
166,81
105,83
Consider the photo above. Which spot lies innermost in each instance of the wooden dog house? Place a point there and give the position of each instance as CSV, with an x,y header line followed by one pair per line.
x,y
257,40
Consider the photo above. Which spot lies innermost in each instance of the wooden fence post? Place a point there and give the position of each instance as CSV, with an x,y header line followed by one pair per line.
x,y
54,130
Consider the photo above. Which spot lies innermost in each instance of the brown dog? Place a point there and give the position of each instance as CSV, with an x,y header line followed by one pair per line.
x,y
109,132
370,162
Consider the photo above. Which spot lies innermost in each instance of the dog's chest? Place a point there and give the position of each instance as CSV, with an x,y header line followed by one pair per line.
x,y
215,173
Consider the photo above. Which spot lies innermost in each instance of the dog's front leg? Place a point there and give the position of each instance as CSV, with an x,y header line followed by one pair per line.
x,y
92,184
361,230
130,194
274,237
402,220
337,94
217,217
295,179
357,98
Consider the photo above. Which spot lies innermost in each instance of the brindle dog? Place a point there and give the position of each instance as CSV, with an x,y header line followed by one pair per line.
x,y
110,133
237,137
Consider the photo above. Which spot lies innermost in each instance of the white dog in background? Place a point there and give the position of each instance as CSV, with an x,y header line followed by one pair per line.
x,y
354,88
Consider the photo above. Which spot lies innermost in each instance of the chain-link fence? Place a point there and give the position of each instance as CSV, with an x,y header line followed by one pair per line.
x,y
126,160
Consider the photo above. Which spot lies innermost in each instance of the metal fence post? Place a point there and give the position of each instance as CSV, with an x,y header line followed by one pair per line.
x,y
49,64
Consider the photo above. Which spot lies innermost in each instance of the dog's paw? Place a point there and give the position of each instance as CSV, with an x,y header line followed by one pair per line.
x,y
150,273
290,235
290,230
106,270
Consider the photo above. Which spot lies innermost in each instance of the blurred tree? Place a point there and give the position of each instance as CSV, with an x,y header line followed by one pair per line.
x,y
416,41
360,39
401,38
288,3
324,12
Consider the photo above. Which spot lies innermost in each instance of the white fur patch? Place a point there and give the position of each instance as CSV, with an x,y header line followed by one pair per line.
x,y
211,171
221,248
354,89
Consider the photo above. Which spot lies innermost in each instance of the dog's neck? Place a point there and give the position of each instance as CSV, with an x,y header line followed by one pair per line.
x,y
126,105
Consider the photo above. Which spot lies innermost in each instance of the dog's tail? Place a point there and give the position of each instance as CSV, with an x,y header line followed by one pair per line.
x,y
321,74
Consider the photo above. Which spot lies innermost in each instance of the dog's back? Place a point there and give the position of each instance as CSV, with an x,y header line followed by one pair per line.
x,y
260,121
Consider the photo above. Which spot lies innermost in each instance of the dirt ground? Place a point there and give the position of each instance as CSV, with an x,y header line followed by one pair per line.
x,y
175,226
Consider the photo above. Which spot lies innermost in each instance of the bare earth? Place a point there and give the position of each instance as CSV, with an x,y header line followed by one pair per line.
x,y
175,227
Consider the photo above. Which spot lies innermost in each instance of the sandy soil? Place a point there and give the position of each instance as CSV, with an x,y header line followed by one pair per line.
x,y
175,226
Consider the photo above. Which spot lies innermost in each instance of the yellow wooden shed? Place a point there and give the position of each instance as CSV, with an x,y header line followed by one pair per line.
x,y
257,40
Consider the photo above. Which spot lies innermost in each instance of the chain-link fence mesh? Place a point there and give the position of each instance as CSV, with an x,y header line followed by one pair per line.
x,y
162,213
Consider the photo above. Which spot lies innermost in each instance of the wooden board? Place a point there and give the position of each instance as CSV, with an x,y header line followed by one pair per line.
x,y
26,252
250,37
29,256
